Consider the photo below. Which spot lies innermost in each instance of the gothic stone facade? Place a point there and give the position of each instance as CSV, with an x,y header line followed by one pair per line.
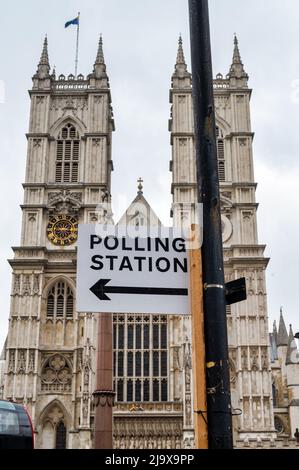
x,y
50,350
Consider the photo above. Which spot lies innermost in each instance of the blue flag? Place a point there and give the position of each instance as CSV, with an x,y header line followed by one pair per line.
x,y
75,22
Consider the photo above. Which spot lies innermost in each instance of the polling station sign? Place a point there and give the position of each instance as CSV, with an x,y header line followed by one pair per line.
x,y
125,270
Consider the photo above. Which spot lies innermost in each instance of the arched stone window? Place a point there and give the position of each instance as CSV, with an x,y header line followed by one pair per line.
x,y
60,301
67,155
221,154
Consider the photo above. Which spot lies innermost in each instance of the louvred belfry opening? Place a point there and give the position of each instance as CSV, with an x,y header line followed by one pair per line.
x,y
67,155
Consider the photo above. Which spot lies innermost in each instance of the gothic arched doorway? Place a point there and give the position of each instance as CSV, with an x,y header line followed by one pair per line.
x,y
53,428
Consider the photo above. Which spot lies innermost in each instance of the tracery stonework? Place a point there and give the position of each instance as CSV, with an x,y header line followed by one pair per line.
x,y
56,375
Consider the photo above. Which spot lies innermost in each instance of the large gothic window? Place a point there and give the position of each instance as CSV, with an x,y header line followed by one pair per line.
x,y
60,301
140,358
221,155
67,155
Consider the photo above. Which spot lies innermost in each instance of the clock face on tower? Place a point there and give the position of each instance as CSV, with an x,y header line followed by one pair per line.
x,y
62,230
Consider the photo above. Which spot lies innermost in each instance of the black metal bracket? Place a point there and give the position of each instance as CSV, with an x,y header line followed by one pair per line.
x,y
235,291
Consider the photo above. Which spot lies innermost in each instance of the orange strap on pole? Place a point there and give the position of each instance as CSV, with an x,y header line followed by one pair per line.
x,y
198,345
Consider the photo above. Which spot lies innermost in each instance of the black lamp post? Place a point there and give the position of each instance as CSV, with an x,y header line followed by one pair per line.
x,y
219,413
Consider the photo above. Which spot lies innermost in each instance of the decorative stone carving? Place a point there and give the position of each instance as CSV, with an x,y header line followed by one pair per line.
x,y
264,359
16,284
12,361
61,257
187,365
79,359
188,404
86,375
76,104
183,142
69,104
96,142
21,366
244,362
31,363
188,443
254,359
29,253
26,285
36,284
85,408
32,216
261,284
94,218
250,283
152,407
247,216
37,143
148,432
56,374
104,398
64,201
227,195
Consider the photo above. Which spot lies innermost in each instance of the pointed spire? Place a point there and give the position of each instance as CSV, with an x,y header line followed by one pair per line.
x,y
180,56
43,69
292,352
282,337
99,65
236,56
53,75
100,55
237,68
181,66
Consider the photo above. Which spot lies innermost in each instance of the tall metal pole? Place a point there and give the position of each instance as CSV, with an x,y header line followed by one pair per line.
x,y
77,47
218,383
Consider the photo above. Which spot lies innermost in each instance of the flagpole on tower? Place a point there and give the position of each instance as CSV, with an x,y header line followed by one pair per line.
x,y
77,47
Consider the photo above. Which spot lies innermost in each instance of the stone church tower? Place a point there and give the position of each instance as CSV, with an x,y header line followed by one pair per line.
x,y
50,348
244,257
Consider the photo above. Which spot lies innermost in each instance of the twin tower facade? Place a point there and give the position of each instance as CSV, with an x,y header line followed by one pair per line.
x,y
50,350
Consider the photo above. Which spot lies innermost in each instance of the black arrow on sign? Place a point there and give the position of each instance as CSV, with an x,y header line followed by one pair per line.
x,y
100,290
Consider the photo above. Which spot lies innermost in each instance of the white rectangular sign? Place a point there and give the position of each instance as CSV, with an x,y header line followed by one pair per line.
x,y
125,270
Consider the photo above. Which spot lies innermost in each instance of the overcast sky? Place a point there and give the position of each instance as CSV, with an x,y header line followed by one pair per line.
x,y
140,45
